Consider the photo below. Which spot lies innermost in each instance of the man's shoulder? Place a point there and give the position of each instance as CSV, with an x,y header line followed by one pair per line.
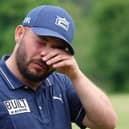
x,y
58,76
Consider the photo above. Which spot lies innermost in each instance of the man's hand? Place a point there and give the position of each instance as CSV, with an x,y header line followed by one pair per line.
x,y
61,61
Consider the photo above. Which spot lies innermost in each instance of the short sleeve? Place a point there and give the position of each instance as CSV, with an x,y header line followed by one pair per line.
x,y
76,109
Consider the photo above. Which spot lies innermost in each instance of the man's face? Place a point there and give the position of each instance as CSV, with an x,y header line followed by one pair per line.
x,y
28,59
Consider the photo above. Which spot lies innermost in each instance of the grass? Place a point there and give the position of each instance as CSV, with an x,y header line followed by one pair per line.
x,y
121,106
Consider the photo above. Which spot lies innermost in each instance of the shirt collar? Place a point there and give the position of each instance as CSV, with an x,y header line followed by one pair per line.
x,y
12,81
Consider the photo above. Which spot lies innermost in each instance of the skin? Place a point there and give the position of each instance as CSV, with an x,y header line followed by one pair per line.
x,y
40,56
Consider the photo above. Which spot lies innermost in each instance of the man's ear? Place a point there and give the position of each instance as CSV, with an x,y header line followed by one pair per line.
x,y
19,33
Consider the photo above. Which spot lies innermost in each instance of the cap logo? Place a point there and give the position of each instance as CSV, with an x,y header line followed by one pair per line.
x,y
27,20
62,22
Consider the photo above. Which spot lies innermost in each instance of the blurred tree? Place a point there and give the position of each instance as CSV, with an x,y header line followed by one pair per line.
x,y
111,50
11,14
101,37
83,4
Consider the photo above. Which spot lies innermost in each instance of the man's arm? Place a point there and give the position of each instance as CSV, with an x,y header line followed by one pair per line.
x,y
99,110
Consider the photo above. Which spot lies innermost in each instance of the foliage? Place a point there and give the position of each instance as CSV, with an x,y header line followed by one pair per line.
x,y
11,14
101,37
110,51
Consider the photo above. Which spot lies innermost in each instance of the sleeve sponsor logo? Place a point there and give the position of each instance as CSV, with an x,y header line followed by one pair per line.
x,y
17,106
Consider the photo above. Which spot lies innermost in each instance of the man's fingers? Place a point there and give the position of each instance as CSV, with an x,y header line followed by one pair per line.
x,y
56,59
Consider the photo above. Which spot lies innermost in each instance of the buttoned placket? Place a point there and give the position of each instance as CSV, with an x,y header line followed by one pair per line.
x,y
42,104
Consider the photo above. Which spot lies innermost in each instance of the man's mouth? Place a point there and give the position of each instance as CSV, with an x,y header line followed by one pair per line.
x,y
40,65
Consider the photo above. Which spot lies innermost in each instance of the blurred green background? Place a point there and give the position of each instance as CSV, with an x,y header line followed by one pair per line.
x,y
101,42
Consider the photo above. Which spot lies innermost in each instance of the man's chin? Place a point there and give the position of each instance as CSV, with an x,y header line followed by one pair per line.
x,y
39,77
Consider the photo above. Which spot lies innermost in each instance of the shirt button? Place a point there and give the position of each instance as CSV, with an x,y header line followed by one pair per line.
x,y
40,108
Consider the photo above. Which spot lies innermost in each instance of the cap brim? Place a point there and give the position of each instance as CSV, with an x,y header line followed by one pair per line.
x,y
47,32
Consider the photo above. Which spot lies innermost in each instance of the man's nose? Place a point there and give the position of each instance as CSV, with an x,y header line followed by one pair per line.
x,y
45,51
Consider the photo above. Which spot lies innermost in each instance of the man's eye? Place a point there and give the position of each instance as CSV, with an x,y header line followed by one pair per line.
x,y
62,48
44,38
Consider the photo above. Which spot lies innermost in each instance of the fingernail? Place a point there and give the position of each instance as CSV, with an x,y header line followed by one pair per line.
x,y
44,59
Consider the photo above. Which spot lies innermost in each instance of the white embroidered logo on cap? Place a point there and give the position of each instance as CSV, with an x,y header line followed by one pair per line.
x,y
62,22
17,106
27,20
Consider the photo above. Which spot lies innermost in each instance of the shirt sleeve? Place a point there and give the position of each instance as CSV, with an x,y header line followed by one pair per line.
x,y
76,109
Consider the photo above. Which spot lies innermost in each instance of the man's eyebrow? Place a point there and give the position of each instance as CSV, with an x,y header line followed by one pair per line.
x,y
44,38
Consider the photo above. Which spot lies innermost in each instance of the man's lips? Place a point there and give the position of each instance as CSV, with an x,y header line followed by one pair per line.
x,y
40,65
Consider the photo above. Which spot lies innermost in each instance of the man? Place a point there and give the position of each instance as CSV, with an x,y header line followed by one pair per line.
x,y
33,95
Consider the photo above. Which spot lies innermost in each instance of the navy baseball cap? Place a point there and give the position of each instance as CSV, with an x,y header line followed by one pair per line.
x,y
50,20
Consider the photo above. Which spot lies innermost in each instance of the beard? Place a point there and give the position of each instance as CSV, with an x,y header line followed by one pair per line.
x,y
23,65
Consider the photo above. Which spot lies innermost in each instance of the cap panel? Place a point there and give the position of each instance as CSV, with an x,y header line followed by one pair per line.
x,y
52,18
55,19
31,17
